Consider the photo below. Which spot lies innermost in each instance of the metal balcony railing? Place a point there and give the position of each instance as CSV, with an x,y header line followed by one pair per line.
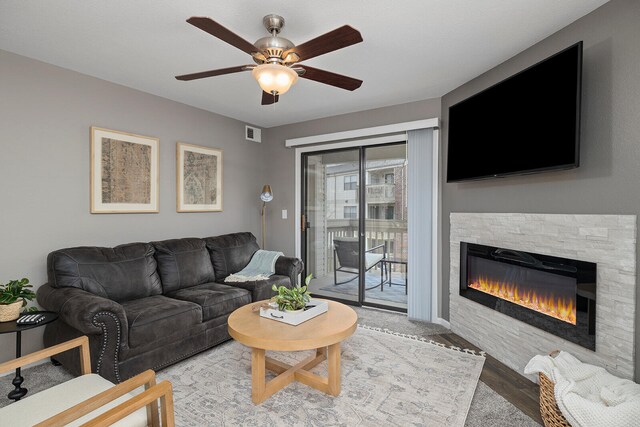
x,y
378,231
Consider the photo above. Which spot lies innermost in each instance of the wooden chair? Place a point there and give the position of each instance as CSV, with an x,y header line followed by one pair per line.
x,y
346,259
89,400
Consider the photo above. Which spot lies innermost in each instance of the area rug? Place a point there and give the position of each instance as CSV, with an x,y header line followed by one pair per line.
x,y
387,379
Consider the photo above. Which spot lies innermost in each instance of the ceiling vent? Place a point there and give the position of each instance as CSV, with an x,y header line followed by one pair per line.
x,y
252,134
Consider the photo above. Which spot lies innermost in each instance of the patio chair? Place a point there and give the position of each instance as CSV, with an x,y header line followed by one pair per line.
x,y
89,399
346,259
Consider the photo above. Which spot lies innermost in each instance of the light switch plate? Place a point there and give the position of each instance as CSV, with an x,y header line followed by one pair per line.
x,y
284,214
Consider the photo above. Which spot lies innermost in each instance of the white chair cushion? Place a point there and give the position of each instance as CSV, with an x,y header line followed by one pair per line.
x,y
372,259
40,406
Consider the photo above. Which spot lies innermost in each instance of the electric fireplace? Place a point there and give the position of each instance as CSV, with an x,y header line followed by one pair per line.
x,y
557,295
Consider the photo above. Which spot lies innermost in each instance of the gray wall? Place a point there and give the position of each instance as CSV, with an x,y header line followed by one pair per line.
x,y
45,115
280,172
608,179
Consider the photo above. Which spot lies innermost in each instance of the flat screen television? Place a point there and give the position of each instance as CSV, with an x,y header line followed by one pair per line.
x,y
525,124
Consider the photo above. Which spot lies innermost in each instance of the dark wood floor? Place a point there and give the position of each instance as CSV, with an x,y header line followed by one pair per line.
x,y
515,388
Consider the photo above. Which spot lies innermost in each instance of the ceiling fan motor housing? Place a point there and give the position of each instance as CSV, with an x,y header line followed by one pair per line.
x,y
272,47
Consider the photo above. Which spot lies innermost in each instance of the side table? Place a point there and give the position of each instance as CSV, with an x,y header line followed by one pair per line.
x,y
9,327
389,262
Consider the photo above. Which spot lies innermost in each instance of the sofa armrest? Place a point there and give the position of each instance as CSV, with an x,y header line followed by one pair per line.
x,y
79,309
101,319
289,266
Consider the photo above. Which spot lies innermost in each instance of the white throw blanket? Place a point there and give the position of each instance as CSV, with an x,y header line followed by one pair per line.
x,y
587,395
261,266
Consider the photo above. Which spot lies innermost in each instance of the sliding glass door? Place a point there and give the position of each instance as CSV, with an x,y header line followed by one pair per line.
x,y
331,215
385,225
354,230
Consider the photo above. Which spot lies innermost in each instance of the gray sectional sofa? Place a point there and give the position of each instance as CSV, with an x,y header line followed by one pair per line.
x,y
149,305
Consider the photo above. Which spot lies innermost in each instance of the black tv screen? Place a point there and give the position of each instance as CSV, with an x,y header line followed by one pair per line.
x,y
527,123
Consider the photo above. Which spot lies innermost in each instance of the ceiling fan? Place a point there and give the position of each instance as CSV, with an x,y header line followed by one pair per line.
x,y
278,59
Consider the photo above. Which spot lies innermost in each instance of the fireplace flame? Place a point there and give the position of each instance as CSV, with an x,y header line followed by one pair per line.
x,y
559,308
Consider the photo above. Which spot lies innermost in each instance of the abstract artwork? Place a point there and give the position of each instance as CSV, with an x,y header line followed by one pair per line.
x,y
124,172
198,178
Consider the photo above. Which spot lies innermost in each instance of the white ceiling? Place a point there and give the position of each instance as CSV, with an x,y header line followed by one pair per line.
x,y
412,49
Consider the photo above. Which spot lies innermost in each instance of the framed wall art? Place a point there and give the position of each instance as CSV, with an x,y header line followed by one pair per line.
x,y
124,172
198,178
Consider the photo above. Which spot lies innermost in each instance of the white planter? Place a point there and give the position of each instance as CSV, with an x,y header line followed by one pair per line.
x,y
295,317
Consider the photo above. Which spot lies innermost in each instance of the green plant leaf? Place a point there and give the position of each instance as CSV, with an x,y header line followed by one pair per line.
x,y
15,290
294,298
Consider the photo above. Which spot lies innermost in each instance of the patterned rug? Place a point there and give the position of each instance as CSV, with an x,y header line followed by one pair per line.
x,y
387,379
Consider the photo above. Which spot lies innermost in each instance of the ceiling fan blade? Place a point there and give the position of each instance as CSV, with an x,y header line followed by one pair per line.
x,y
224,34
329,78
268,99
333,40
211,73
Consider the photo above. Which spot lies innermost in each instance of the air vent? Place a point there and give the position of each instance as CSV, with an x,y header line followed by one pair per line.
x,y
252,134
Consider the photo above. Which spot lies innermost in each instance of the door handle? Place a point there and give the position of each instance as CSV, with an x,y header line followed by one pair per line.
x,y
303,223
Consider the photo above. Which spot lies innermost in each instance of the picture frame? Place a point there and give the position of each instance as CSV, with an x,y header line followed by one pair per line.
x,y
124,172
198,178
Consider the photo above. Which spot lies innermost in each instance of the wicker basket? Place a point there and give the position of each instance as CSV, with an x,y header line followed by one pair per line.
x,y
9,312
551,415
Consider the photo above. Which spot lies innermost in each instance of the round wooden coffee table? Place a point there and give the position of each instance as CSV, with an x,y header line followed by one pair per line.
x,y
322,333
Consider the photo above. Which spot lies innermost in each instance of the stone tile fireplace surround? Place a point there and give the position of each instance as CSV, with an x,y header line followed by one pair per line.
x,y
608,240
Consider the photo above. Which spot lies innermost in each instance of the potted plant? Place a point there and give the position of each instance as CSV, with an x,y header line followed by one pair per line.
x,y
294,299
13,296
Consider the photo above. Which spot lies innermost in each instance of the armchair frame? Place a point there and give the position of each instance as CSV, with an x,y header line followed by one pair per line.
x,y
148,398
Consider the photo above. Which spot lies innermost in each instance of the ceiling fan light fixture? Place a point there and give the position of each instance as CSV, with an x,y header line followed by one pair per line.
x,y
274,78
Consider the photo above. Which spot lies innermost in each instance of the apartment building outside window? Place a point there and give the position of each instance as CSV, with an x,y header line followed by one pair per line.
x,y
350,182
351,212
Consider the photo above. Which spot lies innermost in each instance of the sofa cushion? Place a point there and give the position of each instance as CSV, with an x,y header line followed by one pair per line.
x,y
158,316
123,273
215,299
230,253
261,289
183,263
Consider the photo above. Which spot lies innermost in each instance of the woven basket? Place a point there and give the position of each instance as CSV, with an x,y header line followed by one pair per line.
x,y
9,312
551,415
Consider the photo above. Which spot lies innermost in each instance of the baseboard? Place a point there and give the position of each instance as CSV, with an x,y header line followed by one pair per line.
x,y
441,321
